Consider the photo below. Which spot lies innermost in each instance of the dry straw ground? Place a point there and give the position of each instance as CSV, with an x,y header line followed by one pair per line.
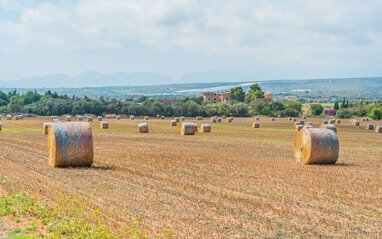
x,y
235,182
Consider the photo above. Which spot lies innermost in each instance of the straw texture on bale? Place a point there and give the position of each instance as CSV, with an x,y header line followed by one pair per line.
x,y
330,127
143,128
370,127
316,146
104,125
378,129
256,125
70,144
205,128
174,123
188,128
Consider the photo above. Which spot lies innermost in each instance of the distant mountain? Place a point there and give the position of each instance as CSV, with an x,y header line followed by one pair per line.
x,y
89,79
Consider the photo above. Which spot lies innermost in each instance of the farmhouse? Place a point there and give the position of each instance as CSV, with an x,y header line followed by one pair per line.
x,y
212,97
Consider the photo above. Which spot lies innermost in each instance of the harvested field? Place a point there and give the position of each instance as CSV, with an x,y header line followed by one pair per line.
x,y
235,182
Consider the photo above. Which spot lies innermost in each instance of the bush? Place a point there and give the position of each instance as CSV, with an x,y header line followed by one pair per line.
x,y
343,113
376,113
316,109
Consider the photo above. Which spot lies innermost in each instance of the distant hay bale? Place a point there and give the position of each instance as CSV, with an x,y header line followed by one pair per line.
x,y
199,117
366,119
174,123
214,120
46,127
299,127
299,122
338,121
143,128
104,125
182,119
80,118
68,118
132,117
158,116
332,121
145,118
177,119
304,117
257,118
90,119
99,118
224,117
16,117
357,123
294,119
290,118
256,125
162,117
330,127
316,146
1,126
229,119
205,128
273,119
118,117
378,129
70,144
308,125
325,122
56,120
110,116
9,117
370,126
188,128
279,116
219,119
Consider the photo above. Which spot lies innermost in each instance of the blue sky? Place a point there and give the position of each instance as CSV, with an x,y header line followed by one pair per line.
x,y
276,39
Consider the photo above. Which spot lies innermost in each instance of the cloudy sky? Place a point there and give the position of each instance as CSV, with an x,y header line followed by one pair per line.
x,y
270,39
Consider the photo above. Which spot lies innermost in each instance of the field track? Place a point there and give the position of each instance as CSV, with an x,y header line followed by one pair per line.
x,y
234,182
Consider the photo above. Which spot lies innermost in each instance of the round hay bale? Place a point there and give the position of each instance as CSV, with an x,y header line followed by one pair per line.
x,y
330,127
378,129
332,121
143,128
308,125
224,117
304,117
99,118
177,119
299,122
9,117
188,128
199,117
158,116
316,146
256,125
90,119
219,119
294,119
104,125
205,128
229,119
118,117
132,117
366,119
279,116
357,123
70,144
370,126
273,119
45,127
298,127
338,121
162,117
146,118
325,122
182,119
1,126
174,123
213,120
16,117
257,118
68,118
80,118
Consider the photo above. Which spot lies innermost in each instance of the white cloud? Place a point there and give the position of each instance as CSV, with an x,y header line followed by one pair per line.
x,y
323,32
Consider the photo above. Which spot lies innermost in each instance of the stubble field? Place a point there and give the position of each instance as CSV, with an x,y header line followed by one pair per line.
x,y
236,182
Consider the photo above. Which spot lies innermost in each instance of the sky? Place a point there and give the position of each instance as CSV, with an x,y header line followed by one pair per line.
x,y
270,39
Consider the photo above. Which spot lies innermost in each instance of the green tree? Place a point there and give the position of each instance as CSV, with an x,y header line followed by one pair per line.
x,y
254,93
316,109
294,104
16,104
237,94
336,106
376,113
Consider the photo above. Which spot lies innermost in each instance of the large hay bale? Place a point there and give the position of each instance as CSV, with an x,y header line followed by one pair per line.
x,y
174,123
256,125
70,144
316,146
46,127
378,129
143,128
104,125
330,127
199,117
68,118
205,128
370,126
188,128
